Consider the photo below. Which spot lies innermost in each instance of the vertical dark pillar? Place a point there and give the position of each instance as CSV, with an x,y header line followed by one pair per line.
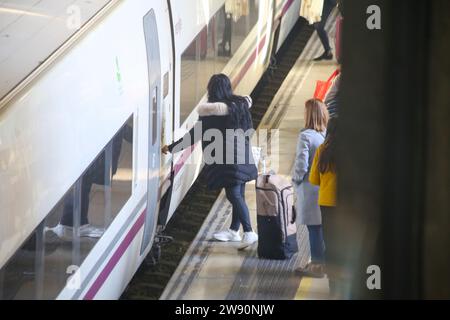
x,y
436,255
383,123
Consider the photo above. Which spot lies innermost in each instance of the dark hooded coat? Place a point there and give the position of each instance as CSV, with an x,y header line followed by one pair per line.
x,y
227,151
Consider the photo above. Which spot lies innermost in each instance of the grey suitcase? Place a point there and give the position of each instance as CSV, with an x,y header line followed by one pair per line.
x,y
276,216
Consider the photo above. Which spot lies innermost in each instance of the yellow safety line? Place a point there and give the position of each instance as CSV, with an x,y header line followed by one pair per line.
x,y
303,288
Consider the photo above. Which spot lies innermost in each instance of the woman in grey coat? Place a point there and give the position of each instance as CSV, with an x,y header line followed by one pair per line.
x,y
308,210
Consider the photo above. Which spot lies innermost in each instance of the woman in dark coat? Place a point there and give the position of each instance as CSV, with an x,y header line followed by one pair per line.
x,y
225,127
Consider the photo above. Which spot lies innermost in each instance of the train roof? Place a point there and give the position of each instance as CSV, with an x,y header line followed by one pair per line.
x,y
31,30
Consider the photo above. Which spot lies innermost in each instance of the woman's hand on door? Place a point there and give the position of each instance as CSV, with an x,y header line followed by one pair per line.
x,y
165,149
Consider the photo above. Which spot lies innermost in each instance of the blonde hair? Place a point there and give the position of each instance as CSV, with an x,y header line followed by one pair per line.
x,y
316,115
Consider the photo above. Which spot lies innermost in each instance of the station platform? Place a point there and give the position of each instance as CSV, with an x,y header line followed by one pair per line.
x,y
215,270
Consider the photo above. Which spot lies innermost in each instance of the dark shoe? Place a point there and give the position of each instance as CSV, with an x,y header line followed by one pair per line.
x,y
327,55
311,270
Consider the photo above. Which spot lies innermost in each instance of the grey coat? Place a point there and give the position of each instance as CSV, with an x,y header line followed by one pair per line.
x,y
332,97
308,211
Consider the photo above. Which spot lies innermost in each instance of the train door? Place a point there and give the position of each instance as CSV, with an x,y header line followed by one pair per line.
x,y
154,141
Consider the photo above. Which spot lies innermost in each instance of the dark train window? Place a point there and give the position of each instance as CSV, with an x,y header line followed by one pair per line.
x,y
213,47
41,267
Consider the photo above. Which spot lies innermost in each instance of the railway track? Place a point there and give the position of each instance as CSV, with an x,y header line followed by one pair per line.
x,y
151,279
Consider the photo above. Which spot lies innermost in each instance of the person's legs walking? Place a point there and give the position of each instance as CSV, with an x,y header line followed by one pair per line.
x,y
323,35
244,216
65,227
233,195
240,215
328,7
236,195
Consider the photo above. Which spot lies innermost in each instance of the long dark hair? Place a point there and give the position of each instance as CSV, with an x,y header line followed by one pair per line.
x,y
219,90
327,160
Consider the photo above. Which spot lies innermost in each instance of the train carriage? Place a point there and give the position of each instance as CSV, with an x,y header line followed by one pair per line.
x,y
84,111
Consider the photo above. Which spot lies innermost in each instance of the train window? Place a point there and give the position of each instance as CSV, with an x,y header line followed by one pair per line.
x,y
122,172
18,277
41,267
213,47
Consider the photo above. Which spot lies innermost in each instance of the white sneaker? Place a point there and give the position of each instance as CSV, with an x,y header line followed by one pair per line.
x,y
89,231
250,237
228,235
61,231
66,232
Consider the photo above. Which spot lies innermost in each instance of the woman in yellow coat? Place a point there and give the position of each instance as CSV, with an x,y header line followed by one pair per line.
x,y
323,174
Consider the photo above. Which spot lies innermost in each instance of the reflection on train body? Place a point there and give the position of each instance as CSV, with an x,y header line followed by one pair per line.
x,y
41,268
212,49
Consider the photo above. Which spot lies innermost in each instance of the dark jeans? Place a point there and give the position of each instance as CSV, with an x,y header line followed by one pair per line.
x,y
316,244
328,7
236,195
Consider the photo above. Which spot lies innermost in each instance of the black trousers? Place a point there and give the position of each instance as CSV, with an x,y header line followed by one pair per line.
x,y
328,7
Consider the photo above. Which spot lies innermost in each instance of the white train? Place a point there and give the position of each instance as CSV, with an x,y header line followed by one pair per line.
x,y
84,111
